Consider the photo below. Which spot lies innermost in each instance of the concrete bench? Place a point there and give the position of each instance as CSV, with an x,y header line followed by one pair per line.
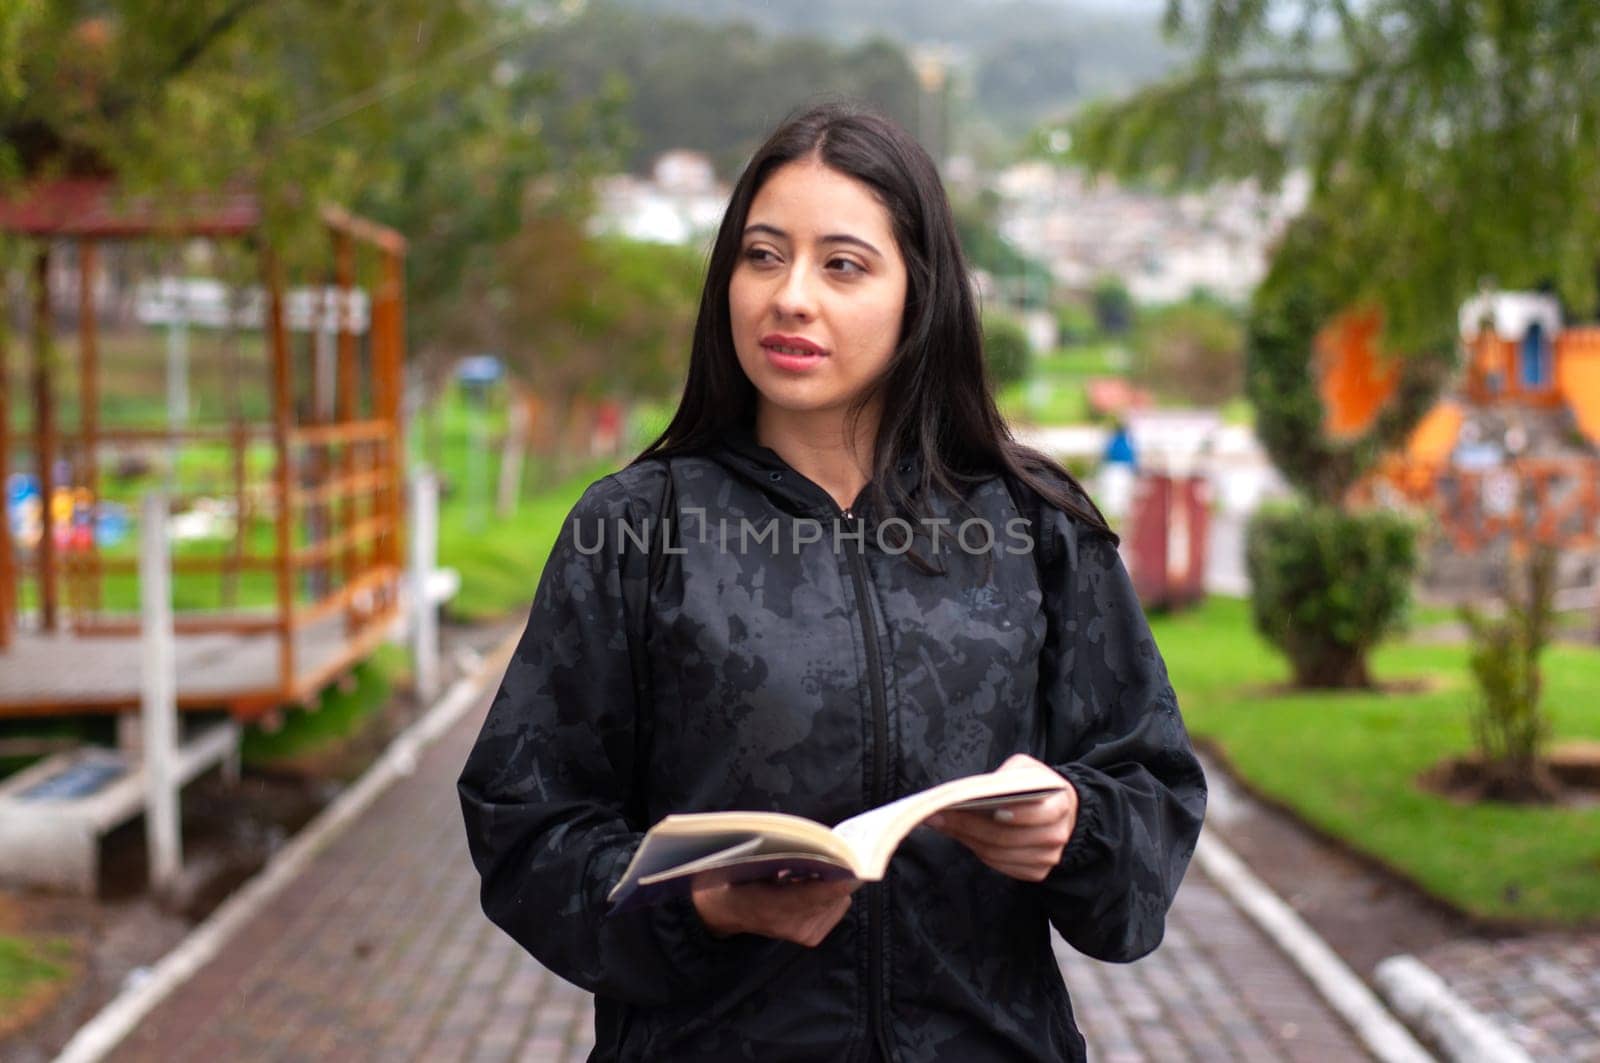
x,y
54,813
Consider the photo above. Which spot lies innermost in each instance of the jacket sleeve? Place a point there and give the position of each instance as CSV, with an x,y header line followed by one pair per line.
x,y
548,789
1114,732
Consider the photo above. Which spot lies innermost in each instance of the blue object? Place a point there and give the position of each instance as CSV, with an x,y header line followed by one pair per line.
x,y
1535,357
22,507
110,523
1120,449
76,780
480,369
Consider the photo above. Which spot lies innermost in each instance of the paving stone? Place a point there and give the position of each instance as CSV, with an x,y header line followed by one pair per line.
x,y
1542,989
378,951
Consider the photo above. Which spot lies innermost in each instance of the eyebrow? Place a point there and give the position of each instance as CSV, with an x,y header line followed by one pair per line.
x,y
831,238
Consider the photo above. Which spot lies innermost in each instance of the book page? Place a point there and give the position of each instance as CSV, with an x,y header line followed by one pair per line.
x,y
874,835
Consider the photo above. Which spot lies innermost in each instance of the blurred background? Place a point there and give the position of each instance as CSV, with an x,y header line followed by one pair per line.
x,y
364,296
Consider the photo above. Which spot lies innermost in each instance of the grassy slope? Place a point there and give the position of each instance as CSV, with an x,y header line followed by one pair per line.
x,y
1348,764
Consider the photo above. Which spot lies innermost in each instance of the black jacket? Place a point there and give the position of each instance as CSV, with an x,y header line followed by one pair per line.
x,y
784,674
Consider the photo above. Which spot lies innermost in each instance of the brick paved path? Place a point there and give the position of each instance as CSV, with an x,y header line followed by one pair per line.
x,y
1542,990
378,951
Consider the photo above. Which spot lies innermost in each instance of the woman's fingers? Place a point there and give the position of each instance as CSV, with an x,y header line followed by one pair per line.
x,y
1025,843
1032,813
804,913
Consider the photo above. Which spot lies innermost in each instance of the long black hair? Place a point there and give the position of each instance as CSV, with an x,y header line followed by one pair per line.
x,y
943,404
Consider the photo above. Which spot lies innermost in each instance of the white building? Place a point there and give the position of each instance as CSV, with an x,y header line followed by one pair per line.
x,y
1161,247
682,202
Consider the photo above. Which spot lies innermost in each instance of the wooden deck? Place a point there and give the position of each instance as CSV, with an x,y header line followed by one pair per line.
x,y
46,675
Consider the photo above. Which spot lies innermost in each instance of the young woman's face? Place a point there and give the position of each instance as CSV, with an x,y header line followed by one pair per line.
x,y
818,293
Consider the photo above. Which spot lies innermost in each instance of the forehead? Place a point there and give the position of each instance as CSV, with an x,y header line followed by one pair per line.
x,y
807,198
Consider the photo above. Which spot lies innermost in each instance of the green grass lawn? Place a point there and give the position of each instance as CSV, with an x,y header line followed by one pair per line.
x,y
500,561
1054,391
1348,764
340,713
31,972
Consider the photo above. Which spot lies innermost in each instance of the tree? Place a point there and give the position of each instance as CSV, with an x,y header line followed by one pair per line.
x,y
1113,306
578,317
1192,351
406,111
678,99
1465,137
1306,288
1005,347
1510,724
1448,144
284,97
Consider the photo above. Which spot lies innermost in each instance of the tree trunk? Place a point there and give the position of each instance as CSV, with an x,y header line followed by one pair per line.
x,y
512,451
1331,668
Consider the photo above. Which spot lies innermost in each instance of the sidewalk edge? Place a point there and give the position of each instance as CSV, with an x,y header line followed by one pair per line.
x,y
1383,1034
1467,1035
123,1012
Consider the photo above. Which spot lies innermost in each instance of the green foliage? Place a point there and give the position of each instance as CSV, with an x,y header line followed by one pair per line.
x,y
287,97
1327,586
575,314
27,964
1005,347
1306,287
1024,61
1113,307
1075,323
1462,140
1508,722
679,99
342,711
1191,352
456,182
385,108
500,564
1347,762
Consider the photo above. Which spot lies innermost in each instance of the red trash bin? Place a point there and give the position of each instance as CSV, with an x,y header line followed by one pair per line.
x,y
1165,545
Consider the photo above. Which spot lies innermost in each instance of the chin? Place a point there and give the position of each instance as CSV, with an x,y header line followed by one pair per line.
x,y
799,399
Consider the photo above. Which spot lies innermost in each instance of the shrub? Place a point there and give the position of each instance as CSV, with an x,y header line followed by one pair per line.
x,y
1113,307
1005,345
1327,585
1192,350
1509,724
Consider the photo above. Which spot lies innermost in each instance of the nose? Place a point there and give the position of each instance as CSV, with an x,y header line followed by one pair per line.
x,y
796,296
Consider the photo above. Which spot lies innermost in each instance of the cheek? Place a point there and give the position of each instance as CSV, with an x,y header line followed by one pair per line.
x,y
738,301
877,327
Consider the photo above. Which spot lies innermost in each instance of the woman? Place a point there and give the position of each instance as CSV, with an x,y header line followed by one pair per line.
x,y
834,611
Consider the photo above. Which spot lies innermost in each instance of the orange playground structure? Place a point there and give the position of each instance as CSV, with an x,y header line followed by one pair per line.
x,y
1510,457
312,460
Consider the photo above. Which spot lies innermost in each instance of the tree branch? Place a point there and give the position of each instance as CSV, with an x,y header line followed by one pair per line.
x,y
191,52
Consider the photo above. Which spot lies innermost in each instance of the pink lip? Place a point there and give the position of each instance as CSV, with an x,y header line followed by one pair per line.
x,y
794,363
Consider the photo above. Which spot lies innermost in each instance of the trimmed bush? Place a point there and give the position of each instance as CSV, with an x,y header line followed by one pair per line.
x,y
1005,345
1327,586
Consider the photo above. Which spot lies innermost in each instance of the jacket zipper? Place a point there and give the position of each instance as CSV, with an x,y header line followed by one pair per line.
x,y
877,927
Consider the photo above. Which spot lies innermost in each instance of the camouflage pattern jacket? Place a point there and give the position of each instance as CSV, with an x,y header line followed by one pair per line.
x,y
781,673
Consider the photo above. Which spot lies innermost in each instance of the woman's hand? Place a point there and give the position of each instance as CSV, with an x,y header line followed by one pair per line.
x,y
801,912
1022,840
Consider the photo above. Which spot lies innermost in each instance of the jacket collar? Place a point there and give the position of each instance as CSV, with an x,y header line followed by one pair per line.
x,y
763,467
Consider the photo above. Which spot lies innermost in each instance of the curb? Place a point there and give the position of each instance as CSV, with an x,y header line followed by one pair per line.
x,y
123,1012
1384,1035
1465,1034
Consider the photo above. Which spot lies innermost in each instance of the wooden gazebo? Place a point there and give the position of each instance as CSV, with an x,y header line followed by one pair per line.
x,y
332,500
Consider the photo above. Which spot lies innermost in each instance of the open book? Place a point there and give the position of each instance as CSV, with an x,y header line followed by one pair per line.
x,y
712,847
